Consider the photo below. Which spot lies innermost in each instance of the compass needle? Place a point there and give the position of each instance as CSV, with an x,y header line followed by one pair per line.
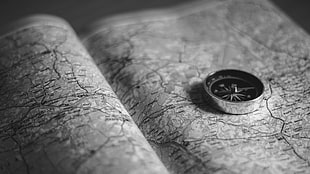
x,y
231,97
238,98
225,96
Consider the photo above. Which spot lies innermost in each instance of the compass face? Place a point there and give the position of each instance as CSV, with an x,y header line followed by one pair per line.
x,y
234,89
234,86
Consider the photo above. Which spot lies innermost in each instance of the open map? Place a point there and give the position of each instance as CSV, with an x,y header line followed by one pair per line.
x,y
156,63
57,112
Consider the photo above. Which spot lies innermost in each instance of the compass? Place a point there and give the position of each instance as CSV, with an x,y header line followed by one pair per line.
x,y
234,91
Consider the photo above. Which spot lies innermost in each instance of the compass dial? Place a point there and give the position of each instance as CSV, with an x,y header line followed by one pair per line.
x,y
234,91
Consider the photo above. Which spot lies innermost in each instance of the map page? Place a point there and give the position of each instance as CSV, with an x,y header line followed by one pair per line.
x,y
156,62
57,112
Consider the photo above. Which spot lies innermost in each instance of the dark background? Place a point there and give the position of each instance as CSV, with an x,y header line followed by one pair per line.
x,y
81,12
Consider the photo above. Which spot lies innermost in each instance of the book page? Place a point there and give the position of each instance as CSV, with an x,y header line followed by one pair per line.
x,y
156,62
57,112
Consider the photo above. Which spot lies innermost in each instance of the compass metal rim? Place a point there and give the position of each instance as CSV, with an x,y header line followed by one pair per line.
x,y
234,107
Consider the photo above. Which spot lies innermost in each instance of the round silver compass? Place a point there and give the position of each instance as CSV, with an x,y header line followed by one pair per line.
x,y
234,91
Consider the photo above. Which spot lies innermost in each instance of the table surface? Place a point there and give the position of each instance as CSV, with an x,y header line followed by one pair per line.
x,y
81,12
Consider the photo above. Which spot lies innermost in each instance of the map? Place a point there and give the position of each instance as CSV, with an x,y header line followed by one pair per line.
x,y
156,63
57,112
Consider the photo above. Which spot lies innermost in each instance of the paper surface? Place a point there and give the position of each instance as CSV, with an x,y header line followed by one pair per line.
x,y
156,62
57,112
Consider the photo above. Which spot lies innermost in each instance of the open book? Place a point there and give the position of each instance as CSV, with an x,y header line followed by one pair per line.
x,y
128,98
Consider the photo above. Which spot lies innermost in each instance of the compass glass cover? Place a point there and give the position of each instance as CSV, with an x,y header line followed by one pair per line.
x,y
234,85
234,89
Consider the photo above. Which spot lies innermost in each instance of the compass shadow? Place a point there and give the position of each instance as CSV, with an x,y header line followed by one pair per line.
x,y
197,96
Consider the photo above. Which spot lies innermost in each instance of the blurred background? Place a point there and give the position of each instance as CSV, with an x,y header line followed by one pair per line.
x,y
81,12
